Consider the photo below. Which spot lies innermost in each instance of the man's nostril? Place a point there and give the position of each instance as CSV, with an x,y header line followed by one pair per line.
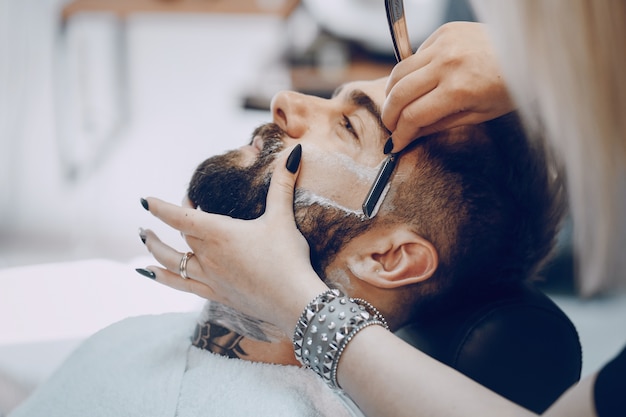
x,y
281,114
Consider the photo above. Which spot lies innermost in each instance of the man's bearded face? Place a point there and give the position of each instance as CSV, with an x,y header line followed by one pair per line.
x,y
221,185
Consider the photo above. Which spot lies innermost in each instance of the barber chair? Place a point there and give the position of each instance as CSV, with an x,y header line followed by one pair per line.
x,y
513,340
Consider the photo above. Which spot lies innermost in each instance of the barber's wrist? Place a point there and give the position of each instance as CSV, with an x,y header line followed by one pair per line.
x,y
325,328
308,286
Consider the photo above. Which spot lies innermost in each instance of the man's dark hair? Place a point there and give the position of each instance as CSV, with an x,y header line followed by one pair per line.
x,y
484,195
489,200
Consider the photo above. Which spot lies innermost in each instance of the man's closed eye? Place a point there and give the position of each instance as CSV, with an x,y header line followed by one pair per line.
x,y
347,124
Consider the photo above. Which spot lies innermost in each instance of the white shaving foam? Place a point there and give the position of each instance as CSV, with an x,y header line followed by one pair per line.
x,y
308,198
362,172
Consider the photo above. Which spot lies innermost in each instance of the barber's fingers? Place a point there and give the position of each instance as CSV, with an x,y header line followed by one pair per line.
x,y
166,255
186,203
422,105
189,221
428,114
401,93
461,118
404,68
172,280
183,219
281,191
170,259
454,71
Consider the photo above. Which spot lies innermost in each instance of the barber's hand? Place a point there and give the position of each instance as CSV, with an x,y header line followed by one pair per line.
x,y
260,267
453,79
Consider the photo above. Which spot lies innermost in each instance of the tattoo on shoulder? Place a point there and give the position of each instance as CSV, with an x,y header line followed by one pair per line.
x,y
218,339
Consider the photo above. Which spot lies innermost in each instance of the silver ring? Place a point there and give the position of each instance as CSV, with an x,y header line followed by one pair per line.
x,y
183,265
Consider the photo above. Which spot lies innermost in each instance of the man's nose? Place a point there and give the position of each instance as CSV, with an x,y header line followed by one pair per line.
x,y
295,113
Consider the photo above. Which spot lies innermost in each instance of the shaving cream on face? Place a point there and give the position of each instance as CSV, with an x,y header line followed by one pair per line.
x,y
335,179
307,198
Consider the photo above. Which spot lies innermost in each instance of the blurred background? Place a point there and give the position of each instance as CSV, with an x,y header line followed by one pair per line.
x,y
105,101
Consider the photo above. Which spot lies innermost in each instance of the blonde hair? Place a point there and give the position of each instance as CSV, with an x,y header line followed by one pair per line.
x,y
565,62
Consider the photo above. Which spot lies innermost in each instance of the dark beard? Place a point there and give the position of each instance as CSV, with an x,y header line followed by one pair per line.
x,y
220,186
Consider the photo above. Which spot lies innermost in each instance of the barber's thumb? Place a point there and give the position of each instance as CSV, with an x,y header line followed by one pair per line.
x,y
281,191
402,137
293,160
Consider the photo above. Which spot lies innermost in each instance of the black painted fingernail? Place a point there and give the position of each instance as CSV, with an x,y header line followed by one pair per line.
x,y
293,162
146,273
388,146
144,203
142,235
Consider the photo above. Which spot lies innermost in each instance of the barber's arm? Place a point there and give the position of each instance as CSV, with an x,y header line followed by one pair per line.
x,y
275,282
453,79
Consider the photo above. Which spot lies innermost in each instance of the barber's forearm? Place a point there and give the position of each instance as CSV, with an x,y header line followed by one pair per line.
x,y
309,286
387,377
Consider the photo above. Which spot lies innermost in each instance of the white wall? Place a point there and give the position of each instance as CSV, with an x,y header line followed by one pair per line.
x,y
186,76
23,32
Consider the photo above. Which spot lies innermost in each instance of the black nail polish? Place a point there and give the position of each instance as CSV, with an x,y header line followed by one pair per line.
x,y
388,146
142,235
293,162
144,203
146,273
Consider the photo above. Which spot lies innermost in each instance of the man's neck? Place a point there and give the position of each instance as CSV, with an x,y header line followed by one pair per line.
x,y
226,332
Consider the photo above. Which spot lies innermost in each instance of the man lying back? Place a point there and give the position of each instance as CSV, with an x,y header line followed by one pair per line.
x,y
466,209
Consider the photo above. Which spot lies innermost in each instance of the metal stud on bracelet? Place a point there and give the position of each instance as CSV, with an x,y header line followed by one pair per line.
x,y
326,326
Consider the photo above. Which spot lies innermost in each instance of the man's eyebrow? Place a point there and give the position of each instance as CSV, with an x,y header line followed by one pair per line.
x,y
358,98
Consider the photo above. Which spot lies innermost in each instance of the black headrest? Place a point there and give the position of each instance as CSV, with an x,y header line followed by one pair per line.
x,y
512,339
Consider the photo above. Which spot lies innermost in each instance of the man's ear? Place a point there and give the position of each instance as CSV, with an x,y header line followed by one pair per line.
x,y
393,258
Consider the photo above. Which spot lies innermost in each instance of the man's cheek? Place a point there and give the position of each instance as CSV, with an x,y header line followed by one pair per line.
x,y
333,183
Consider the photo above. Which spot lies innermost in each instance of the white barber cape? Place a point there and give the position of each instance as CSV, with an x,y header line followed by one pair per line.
x,y
146,367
